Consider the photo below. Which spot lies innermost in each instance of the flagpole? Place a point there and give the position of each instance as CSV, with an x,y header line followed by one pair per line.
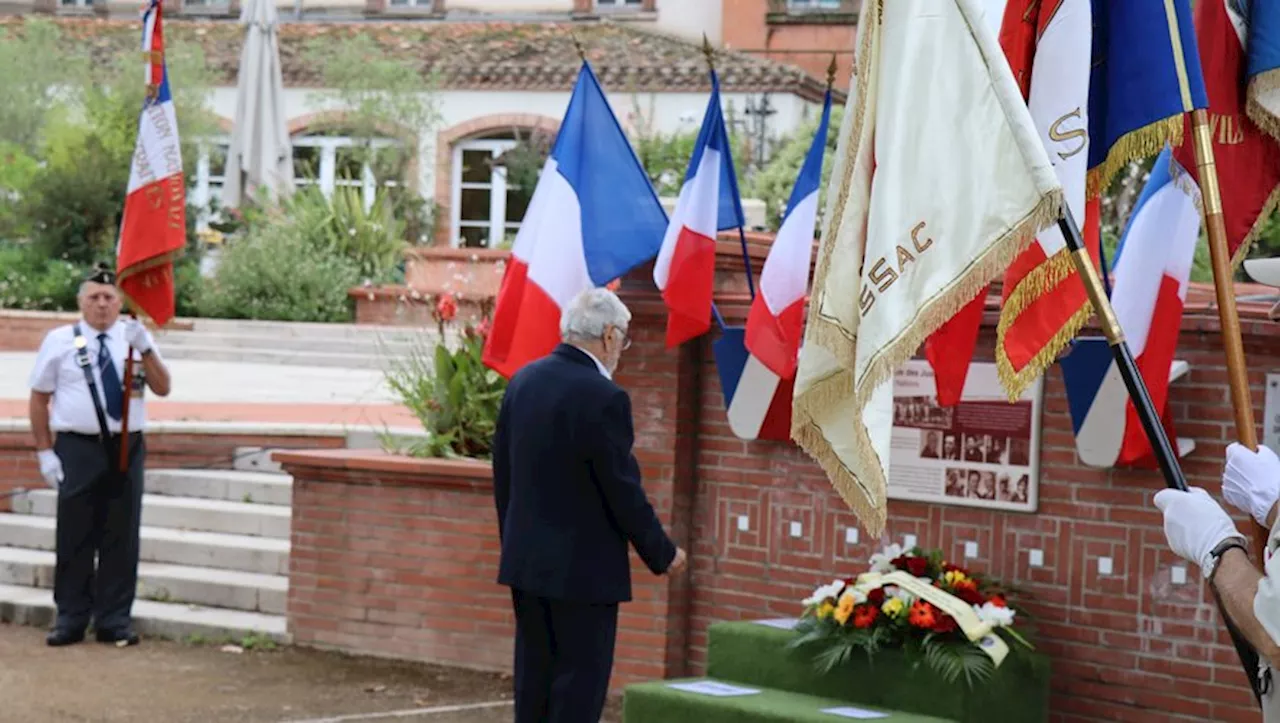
x,y
1165,455
1228,316
123,465
709,53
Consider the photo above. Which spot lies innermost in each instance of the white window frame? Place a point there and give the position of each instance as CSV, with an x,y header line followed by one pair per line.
x,y
497,187
207,186
610,5
428,4
75,3
327,175
813,6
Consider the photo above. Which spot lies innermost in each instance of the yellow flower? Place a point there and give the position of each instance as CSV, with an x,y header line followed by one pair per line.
x,y
955,577
825,610
845,608
893,607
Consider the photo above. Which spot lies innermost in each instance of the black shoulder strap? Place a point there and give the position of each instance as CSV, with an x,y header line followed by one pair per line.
x,y
82,358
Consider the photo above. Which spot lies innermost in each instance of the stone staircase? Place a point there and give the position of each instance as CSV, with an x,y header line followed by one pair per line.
x,y
214,560
348,346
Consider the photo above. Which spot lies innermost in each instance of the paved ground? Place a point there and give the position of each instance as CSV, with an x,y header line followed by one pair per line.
x,y
229,391
179,683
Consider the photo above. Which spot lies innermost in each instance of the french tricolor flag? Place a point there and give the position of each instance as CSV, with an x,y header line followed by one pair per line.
x,y
153,230
708,203
1151,271
594,217
758,368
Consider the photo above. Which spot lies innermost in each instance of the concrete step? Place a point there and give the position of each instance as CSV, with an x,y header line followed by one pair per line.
x,y
34,606
164,583
222,484
372,345
263,555
279,330
183,513
268,354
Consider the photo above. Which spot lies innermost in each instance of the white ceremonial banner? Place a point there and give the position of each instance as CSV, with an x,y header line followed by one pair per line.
x,y
983,452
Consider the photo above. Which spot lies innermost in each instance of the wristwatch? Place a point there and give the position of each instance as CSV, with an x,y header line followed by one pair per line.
x,y
1215,555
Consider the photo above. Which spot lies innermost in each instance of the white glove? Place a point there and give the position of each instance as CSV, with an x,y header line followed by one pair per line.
x,y
1251,480
1194,524
136,333
50,467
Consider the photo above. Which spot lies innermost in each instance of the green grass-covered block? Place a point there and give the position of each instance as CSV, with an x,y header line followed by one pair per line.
x,y
656,702
757,655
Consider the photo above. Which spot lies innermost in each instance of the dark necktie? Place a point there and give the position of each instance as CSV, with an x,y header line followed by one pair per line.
x,y
112,387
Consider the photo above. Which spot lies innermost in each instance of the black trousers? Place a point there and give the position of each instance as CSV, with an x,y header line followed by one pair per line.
x,y
564,656
99,515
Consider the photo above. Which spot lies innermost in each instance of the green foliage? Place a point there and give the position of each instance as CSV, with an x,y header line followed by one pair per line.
x,y
774,182
452,393
524,162
665,157
373,240
274,272
37,64
30,281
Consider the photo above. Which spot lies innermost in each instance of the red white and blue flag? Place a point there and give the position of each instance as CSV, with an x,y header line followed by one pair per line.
x,y
758,367
594,217
153,230
708,203
1151,271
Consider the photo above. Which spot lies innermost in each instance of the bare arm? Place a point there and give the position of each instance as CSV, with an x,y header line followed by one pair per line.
x,y
1236,582
38,411
157,374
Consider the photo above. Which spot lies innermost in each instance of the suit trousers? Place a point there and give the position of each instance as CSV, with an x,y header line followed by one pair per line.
x,y
99,515
564,656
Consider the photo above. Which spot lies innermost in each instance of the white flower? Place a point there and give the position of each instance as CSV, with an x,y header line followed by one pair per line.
x,y
881,561
824,592
893,591
994,614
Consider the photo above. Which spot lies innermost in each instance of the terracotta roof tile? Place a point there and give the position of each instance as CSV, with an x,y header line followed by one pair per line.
x,y
476,55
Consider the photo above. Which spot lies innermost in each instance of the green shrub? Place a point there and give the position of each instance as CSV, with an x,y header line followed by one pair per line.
x,y
275,273
451,392
373,240
31,282
774,183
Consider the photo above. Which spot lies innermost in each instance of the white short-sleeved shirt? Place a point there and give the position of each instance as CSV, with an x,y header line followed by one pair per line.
x,y
56,372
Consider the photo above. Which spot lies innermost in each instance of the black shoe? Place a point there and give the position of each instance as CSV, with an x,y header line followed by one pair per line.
x,y
120,638
59,637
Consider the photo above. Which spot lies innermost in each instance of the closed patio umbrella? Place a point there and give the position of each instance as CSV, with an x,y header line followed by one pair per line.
x,y
260,153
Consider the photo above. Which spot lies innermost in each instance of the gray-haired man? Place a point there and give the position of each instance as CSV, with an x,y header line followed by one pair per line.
x,y
569,499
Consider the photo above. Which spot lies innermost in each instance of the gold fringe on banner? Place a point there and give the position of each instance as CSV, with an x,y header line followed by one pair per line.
x,y
1043,279
1142,143
1268,82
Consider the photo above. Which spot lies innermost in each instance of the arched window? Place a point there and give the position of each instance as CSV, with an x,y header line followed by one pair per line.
x,y
486,208
335,160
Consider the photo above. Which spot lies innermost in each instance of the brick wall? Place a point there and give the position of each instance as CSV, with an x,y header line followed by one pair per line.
x,y
397,558
1128,646
24,330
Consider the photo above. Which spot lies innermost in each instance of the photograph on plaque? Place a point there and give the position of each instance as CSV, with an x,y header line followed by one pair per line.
x,y
983,452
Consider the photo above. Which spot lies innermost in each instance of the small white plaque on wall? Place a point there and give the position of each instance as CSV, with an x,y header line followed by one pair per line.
x,y
1271,413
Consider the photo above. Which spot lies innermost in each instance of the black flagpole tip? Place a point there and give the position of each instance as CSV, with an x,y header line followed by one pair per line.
x,y
831,72
708,52
577,44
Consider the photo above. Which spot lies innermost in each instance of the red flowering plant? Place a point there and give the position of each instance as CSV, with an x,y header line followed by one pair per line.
x,y
877,611
448,387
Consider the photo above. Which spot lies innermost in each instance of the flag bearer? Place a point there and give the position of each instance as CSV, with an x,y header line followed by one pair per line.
x,y
76,410
1199,530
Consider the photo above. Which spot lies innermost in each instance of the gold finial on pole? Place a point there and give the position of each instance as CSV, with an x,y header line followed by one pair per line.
x,y
708,52
577,44
831,72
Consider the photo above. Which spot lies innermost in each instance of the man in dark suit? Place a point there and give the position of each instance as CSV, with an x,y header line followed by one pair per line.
x,y
569,499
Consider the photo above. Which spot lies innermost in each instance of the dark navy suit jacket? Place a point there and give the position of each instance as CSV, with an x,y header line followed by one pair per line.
x,y
568,487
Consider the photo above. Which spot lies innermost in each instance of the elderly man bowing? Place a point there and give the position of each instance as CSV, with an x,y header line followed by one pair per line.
x,y
77,402
1199,530
569,499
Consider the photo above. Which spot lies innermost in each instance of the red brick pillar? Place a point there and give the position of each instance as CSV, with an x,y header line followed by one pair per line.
x,y
666,402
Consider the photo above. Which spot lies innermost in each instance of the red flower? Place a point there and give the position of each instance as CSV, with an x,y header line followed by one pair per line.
x,y
483,328
998,601
922,615
945,624
864,615
949,567
447,307
876,597
614,285
917,566
968,592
